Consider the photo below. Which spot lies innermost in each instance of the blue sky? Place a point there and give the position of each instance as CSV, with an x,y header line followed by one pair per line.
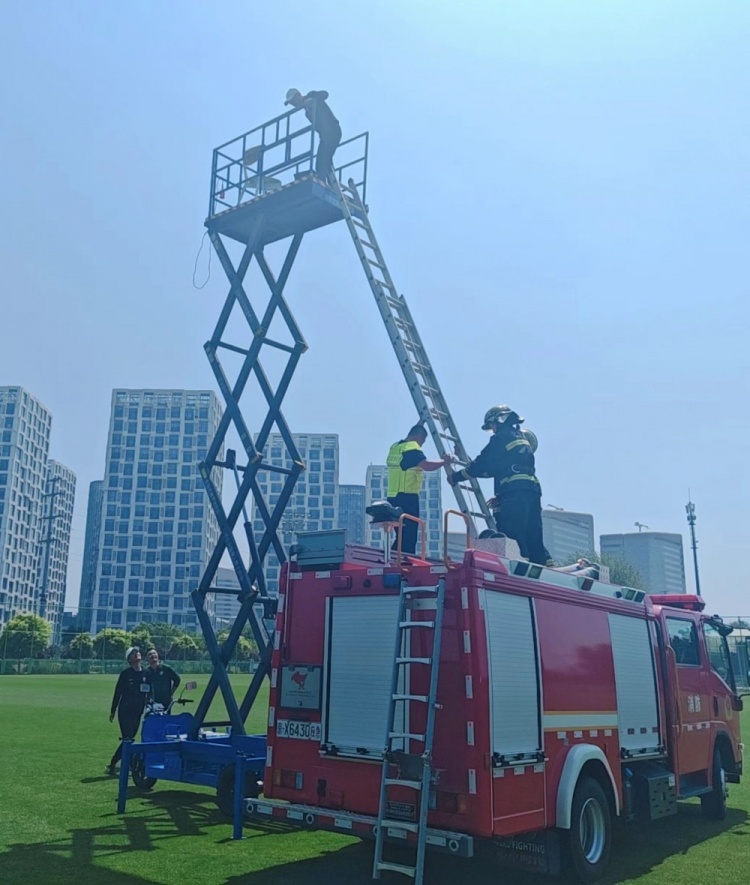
x,y
560,189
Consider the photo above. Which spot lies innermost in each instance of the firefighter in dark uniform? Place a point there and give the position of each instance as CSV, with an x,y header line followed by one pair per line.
x,y
130,695
163,679
326,125
405,463
509,459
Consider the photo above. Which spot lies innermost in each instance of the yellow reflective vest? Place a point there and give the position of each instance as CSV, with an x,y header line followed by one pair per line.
x,y
407,481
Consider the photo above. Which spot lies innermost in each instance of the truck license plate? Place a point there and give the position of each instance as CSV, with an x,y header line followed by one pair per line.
x,y
304,731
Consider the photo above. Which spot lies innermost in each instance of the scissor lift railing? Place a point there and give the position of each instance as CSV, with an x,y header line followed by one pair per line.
x,y
274,155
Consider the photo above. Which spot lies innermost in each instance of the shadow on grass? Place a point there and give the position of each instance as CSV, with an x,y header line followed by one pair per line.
x,y
637,850
171,814
78,859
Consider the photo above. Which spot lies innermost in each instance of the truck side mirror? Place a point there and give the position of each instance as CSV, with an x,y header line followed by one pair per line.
x,y
191,686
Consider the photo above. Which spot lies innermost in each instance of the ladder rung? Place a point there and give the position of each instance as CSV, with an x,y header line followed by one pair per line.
x,y
376,264
408,624
411,697
358,223
407,590
398,782
368,244
399,735
400,824
397,868
427,661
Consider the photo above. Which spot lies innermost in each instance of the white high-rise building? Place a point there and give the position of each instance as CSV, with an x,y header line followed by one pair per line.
x,y
158,529
658,556
430,507
567,533
25,426
54,544
314,503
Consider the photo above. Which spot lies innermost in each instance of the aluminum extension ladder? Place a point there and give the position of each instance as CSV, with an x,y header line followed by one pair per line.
x,y
412,356
413,770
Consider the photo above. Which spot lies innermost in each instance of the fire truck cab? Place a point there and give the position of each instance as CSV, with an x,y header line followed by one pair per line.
x,y
562,703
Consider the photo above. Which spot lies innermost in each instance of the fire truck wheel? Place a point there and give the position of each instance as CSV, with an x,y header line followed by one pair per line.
x,y
138,773
590,836
714,804
225,789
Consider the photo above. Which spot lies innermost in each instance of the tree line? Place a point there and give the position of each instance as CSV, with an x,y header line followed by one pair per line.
x,y
28,636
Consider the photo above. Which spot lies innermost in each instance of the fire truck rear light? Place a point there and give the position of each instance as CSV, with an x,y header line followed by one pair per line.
x,y
452,803
291,780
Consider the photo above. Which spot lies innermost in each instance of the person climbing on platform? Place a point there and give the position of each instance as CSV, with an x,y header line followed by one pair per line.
x,y
405,463
129,699
509,459
324,123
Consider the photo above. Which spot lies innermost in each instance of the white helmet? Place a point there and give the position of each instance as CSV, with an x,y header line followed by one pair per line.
x,y
532,440
499,415
292,94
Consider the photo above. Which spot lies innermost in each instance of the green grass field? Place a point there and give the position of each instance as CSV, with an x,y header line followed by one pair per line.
x,y
58,822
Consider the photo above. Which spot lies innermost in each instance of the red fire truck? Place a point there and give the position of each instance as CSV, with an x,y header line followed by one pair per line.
x,y
527,707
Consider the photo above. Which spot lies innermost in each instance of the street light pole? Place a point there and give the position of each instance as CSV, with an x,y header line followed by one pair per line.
x,y
691,518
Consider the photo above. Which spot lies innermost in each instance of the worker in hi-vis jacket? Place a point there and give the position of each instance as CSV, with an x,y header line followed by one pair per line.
x,y
405,462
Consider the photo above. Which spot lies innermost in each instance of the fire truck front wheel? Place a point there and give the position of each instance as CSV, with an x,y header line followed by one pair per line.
x,y
589,840
714,804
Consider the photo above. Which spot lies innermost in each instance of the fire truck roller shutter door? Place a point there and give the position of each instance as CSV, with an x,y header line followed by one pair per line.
x,y
635,681
362,633
514,675
577,757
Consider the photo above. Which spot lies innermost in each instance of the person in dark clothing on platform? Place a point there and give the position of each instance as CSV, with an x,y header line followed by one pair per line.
x,y
324,123
162,678
130,695
405,463
509,459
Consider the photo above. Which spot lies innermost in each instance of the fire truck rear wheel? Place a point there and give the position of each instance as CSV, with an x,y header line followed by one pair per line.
x,y
589,839
714,804
225,789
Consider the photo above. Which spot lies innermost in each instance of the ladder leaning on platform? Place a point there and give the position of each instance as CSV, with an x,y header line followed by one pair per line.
x,y
412,356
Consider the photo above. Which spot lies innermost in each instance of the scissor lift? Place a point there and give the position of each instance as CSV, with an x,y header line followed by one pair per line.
x,y
263,191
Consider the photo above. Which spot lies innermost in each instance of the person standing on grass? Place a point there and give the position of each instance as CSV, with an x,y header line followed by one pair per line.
x,y
162,678
130,695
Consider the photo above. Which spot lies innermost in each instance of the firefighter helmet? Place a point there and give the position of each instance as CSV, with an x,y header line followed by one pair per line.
x,y
532,440
499,415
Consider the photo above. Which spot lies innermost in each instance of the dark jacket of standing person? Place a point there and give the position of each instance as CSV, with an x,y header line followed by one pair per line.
x,y
130,695
509,459
324,123
162,678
